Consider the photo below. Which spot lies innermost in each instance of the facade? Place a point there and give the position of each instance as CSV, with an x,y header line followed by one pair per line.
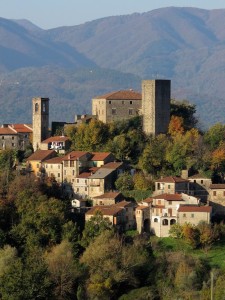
x,y
172,185
156,97
40,121
15,136
61,144
35,162
117,106
107,198
159,213
217,198
194,214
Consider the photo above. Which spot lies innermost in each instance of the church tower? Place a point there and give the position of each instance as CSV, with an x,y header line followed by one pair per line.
x,y
156,106
40,120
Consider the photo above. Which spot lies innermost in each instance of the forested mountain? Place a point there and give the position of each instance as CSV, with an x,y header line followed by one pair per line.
x,y
186,45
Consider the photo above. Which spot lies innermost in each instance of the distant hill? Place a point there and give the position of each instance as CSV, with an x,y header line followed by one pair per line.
x,y
186,45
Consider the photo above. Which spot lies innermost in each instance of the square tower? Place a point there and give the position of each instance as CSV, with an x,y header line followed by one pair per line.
x,y
40,120
156,106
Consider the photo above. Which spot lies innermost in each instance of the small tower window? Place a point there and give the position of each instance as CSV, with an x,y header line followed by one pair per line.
x,y
36,107
44,107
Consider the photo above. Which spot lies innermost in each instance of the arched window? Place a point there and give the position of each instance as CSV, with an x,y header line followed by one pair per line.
x,y
165,222
36,107
155,220
172,221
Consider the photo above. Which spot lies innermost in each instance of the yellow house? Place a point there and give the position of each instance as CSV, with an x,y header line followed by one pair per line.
x,y
35,161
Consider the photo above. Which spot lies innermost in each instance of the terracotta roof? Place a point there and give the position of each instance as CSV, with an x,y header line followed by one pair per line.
x,y
113,165
106,210
7,131
147,200
21,128
41,155
54,160
124,203
84,175
172,179
75,155
98,156
108,195
121,95
193,208
142,207
56,139
169,197
217,186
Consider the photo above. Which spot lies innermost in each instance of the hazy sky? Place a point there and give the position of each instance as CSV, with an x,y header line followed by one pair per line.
x,y
55,13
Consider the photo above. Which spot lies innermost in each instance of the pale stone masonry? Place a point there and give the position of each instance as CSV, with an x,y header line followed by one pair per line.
x,y
40,120
156,106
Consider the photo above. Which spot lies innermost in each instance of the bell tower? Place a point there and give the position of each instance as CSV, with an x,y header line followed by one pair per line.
x,y
40,109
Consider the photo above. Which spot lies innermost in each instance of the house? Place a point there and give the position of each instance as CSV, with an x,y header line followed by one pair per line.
x,y
101,158
117,105
217,198
101,181
15,136
61,144
157,214
107,198
121,215
172,185
54,168
35,162
194,214
116,215
199,185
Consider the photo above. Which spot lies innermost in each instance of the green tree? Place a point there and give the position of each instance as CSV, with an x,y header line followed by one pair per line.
x,y
94,227
124,182
214,136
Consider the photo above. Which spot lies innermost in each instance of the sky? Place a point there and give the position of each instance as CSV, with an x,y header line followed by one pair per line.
x,y
55,13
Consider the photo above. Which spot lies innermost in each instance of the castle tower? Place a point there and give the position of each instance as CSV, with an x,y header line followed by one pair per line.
x,y
40,120
156,106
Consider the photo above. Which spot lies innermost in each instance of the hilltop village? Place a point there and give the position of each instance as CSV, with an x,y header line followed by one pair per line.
x,y
89,176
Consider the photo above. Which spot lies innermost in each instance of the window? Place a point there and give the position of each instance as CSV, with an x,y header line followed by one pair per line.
x,y
37,165
86,181
36,107
201,181
170,202
110,102
3,137
184,215
58,174
46,166
214,193
12,137
122,102
130,111
77,180
73,172
156,220
44,107
192,215
159,202
224,193
113,111
13,145
86,189
131,102
77,189
66,163
58,166
169,187
72,163
165,222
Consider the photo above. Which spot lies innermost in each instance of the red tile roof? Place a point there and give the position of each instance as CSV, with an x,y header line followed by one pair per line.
x,y
147,200
193,208
108,195
54,160
21,128
172,179
121,95
113,165
75,155
124,203
106,210
98,156
41,155
142,207
7,131
84,175
217,186
169,197
56,139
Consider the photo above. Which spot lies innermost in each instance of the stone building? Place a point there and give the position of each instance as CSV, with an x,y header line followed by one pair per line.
x,y
153,104
156,106
40,120
117,106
